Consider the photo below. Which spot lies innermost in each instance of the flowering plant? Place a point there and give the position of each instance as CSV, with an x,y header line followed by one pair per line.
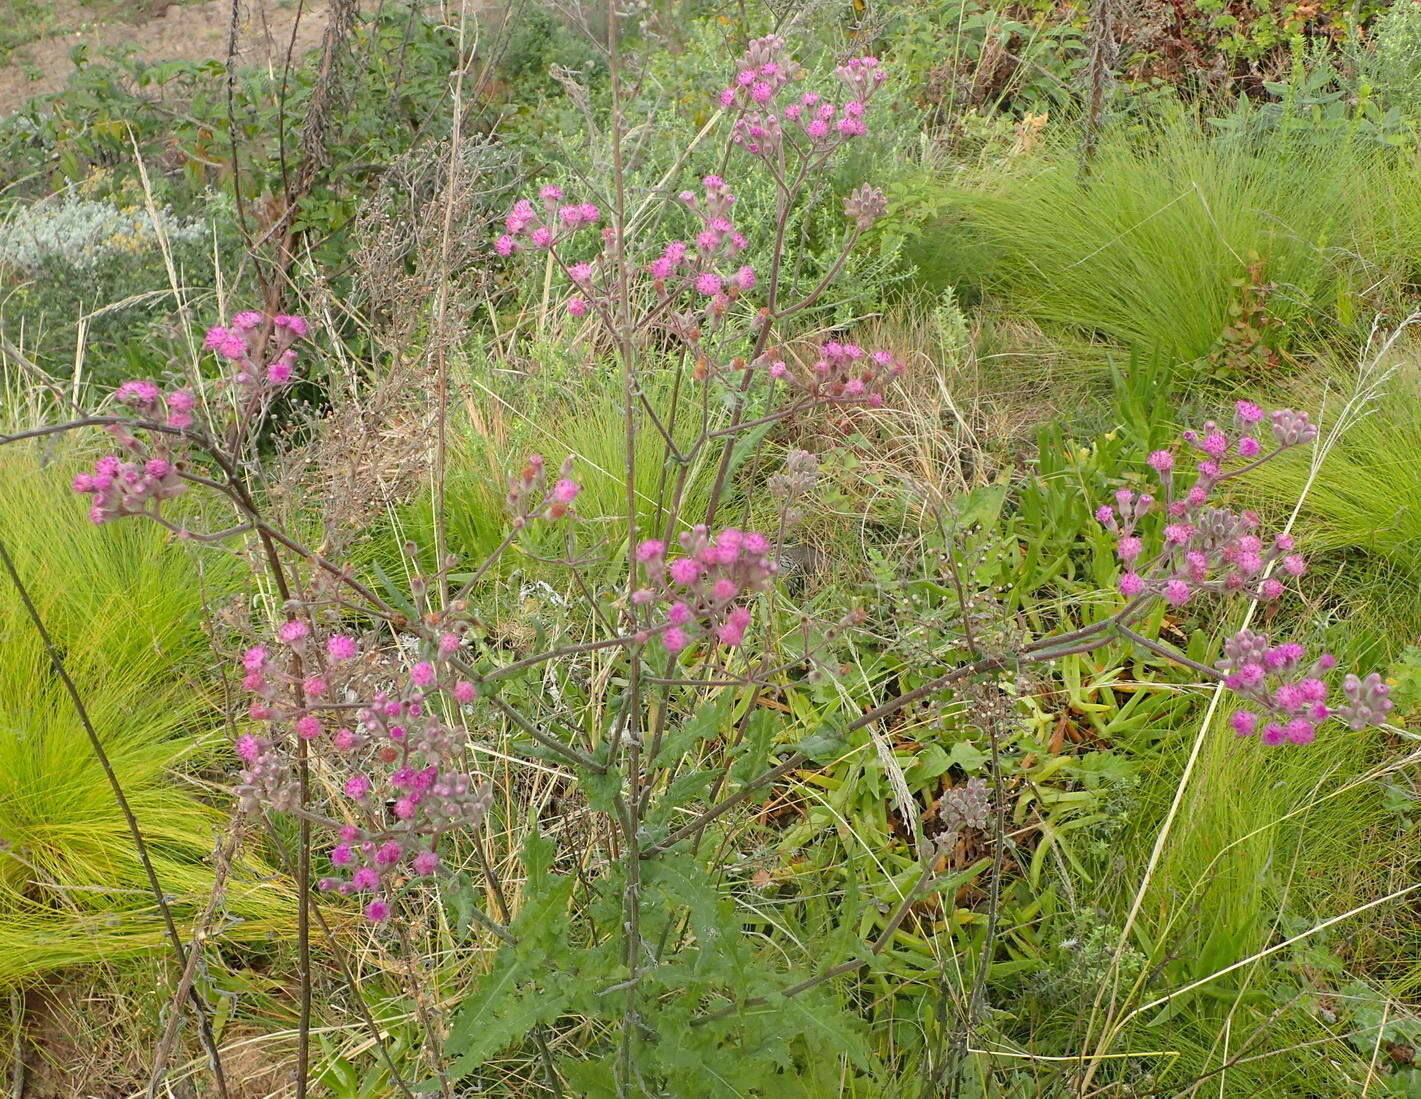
x,y
363,710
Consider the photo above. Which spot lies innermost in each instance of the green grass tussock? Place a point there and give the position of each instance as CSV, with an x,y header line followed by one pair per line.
x,y
125,609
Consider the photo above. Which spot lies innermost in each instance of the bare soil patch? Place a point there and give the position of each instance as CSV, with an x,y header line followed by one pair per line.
x,y
158,32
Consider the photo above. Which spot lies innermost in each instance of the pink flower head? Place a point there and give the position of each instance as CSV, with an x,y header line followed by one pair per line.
x,y
730,634
341,647
674,640
464,692
542,236
679,614
1161,461
248,748
725,589
520,217
308,727
565,490
650,550
1248,412
1131,585
708,283
1215,445
685,570
357,787
377,911
365,878
297,326
577,306
1244,723
138,392
294,630
505,245
422,674
1176,592
425,863
255,658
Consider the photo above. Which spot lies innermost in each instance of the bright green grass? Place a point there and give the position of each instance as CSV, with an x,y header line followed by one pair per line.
x,y
125,608
1367,496
1142,252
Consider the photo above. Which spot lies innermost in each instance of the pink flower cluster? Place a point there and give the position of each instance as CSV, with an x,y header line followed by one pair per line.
x,y
1205,548
527,227
843,372
707,264
237,342
703,593
530,498
396,764
151,470
812,123
1293,700
137,484
120,488
764,69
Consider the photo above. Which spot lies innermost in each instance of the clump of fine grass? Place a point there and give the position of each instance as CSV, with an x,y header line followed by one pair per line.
x,y
1146,248
1367,496
125,610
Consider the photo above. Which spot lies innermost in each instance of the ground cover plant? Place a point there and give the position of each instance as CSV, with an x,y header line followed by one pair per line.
x,y
662,555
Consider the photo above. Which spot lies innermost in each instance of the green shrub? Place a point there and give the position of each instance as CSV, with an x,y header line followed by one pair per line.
x,y
1396,55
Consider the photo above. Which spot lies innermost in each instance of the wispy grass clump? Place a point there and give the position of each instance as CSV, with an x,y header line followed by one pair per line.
x,y
1147,247
1367,496
126,611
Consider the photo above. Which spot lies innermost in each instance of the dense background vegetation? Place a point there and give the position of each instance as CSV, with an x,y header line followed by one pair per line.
x,y
1105,221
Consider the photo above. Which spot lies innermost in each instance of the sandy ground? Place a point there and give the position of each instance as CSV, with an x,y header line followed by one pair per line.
x,y
191,32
